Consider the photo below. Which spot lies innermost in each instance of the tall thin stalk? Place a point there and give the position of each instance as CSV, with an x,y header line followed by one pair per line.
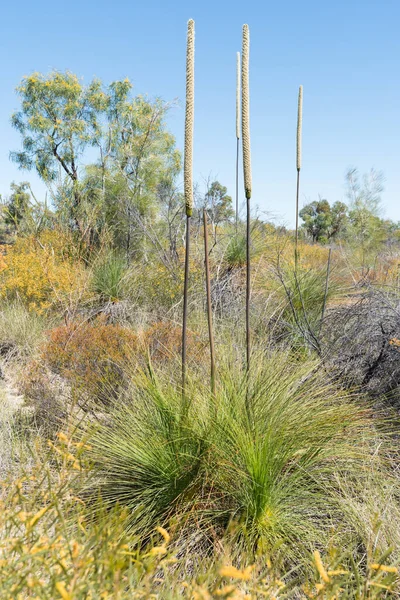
x,y
209,307
328,269
237,134
298,165
246,172
188,182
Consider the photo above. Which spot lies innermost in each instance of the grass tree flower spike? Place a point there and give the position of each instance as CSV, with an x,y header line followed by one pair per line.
x,y
246,172
246,112
189,120
188,182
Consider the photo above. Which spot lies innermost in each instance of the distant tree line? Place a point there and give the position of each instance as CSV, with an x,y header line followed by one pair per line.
x,y
358,220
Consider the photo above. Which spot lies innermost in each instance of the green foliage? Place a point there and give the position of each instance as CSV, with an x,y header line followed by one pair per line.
x,y
218,205
305,293
21,330
110,278
57,122
58,552
22,213
296,469
149,458
235,254
60,119
367,230
323,222
18,204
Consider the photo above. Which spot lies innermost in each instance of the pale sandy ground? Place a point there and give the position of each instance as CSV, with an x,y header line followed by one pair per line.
x,y
10,401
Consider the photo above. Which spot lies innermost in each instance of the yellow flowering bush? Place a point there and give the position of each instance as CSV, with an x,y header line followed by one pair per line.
x,y
41,271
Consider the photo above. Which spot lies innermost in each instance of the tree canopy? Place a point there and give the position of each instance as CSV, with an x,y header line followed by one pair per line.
x,y
86,142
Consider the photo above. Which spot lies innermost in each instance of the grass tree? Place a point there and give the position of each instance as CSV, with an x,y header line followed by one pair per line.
x,y
188,181
308,470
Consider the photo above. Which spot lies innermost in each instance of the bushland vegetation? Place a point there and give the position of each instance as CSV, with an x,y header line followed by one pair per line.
x,y
125,475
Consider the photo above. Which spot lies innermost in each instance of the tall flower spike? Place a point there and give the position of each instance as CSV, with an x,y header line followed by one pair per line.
x,y
246,112
189,120
299,128
188,186
238,95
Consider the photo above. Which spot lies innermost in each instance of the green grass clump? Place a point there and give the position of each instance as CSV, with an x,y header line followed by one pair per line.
x,y
296,465
21,330
235,254
110,278
149,457
304,296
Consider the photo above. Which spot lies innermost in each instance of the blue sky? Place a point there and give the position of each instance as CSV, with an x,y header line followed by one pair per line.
x,y
345,54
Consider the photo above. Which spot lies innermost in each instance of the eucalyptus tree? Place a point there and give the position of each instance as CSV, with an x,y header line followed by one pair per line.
x,y
84,141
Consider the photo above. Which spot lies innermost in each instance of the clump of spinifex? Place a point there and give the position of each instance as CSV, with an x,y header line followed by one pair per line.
x,y
246,170
298,164
188,179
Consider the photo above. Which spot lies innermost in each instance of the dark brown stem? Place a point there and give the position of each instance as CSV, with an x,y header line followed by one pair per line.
x,y
248,287
328,268
185,306
209,307
297,220
237,183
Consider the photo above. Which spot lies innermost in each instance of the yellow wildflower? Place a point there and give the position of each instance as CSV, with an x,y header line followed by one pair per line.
x,y
230,571
60,587
225,591
385,568
38,516
164,534
158,551
320,567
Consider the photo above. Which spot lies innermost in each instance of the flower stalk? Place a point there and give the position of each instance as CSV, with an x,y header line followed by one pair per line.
x,y
298,165
246,174
188,183
209,305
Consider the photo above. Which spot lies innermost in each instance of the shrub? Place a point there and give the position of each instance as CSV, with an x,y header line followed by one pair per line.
x,y
91,356
41,271
164,341
359,342
285,466
235,254
304,296
45,398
